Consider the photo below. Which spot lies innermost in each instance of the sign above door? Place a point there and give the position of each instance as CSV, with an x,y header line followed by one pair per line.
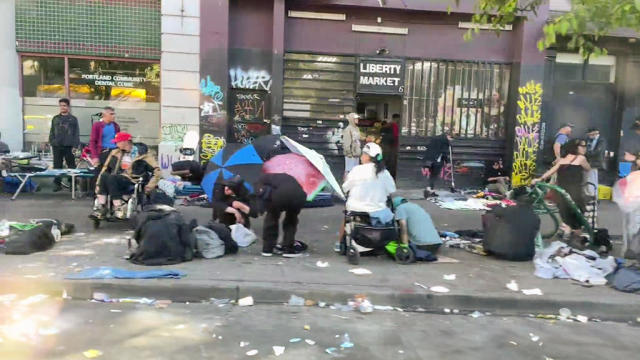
x,y
381,76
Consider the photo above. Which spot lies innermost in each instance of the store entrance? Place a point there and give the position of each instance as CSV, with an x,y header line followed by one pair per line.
x,y
376,112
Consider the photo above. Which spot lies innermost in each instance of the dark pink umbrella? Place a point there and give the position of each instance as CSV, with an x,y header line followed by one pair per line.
x,y
307,175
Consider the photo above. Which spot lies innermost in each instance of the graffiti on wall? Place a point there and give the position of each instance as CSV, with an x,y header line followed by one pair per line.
x,y
209,146
445,173
248,107
173,133
250,79
213,119
527,136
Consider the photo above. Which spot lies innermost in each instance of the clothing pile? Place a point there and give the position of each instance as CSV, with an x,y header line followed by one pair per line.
x,y
176,187
469,240
561,261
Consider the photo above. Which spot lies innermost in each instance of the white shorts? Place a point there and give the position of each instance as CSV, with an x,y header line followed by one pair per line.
x,y
350,163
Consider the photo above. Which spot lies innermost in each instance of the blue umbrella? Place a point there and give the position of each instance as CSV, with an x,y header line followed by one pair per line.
x,y
233,159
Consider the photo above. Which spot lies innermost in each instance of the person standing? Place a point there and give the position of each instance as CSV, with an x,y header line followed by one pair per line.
x,y
390,135
64,136
102,134
280,193
436,156
596,148
561,138
351,143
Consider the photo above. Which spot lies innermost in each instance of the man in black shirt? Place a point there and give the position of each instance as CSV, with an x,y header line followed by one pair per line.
x,y
231,203
496,178
64,136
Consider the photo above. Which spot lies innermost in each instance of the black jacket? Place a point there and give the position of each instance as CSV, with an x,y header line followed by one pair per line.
x,y
596,156
64,131
438,148
221,201
163,237
281,192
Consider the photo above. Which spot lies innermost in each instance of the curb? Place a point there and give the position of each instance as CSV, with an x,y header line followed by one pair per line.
x,y
279,293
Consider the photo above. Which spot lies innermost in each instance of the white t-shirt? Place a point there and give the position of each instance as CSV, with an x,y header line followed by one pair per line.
x,y
368,192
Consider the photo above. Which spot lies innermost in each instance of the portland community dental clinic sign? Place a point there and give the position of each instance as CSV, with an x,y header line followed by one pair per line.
x,y
381,76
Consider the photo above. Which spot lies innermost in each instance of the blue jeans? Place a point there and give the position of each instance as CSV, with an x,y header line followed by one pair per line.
x,y
381,217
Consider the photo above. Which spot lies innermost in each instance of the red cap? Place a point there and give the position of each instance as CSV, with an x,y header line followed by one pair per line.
x,y
121,136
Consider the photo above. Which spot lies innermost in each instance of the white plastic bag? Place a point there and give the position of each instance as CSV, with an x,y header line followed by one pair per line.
x,y
243,236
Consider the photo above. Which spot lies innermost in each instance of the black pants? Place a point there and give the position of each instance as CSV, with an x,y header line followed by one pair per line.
x,y
390,158
102,158
271,228
434,173
61,153
115,185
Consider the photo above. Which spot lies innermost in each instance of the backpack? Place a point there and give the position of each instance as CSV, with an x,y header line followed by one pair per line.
x,y
509,233
208,243
163,237
230,246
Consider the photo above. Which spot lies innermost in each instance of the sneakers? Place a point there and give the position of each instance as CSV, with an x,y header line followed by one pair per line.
x,y
428,193
336,247
267,254
120,212
292,252
98,212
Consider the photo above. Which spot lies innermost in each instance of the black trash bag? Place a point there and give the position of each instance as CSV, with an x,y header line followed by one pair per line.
x,y
25,242
163,237
510,233
159,197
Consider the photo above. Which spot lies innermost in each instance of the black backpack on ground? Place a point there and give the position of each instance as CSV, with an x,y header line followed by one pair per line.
x,y
163,237
510,233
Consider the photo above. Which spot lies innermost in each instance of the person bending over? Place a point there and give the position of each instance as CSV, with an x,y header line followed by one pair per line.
x,y
124,165
231,202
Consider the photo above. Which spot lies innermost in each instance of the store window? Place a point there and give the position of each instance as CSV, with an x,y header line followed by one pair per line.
x,y
572,67
114,80
466,98
43,77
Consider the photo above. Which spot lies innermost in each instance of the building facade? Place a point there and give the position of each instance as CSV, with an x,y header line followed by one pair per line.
x,y
236,70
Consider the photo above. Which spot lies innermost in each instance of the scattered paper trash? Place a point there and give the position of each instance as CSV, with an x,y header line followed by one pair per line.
x,y
534,337
513,286
322,304
449,276
535,291
439,289
296,301
246,301
383,307
582,318
400,351
420,285
115,310
565,313
360,271
178,327
92,353
447,311
252,352
309,302
322,264
243,344
513,343
309,341
456,311
65,296
331,350
476,314
307,327
295,340
278,350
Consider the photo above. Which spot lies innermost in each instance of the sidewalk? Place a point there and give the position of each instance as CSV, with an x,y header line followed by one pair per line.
x,y
480,282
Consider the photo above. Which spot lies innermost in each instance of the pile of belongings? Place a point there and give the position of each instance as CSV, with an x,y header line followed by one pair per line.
x,y
561,261
469,240
176,187
35,236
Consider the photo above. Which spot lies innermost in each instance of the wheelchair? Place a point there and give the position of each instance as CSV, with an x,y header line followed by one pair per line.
x,y
134,201
361,236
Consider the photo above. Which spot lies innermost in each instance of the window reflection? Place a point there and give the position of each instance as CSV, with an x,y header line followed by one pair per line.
x,y
43,77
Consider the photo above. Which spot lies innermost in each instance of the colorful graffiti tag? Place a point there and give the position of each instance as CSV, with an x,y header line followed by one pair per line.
x,y
251,79
213,119
209,146
173,133
527,133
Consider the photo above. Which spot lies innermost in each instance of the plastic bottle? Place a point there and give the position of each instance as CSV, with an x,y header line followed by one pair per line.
x,y
346,342
4,228
56,233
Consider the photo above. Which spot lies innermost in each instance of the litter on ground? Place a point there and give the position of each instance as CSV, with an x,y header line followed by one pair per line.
x,y
360,271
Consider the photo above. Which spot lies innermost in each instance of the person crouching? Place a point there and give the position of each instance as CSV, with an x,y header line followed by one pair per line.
x,y
231,204
124,165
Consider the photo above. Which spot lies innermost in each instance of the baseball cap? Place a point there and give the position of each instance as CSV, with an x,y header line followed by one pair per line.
x,y
121,136
372,149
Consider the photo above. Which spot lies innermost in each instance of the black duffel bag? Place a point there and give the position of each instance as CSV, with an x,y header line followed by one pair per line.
x,y
25,242
510,233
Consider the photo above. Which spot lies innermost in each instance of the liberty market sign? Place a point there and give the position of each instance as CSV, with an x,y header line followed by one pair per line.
x,y
381,76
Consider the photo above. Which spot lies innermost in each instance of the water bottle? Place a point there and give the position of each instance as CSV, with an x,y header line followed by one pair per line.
x,y
56,232
4,228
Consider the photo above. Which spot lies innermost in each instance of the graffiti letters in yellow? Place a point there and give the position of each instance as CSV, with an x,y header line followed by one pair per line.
x,y
527,133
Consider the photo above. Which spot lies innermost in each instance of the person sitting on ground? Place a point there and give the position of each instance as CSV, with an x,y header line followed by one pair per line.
x,y
231,203
496,179
416,225
369,185
124,165
570,170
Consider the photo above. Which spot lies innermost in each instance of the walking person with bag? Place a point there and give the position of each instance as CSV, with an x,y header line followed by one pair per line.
x,y
64,137
435,158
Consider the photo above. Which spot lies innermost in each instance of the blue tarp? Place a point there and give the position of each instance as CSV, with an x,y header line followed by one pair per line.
x,y
105,272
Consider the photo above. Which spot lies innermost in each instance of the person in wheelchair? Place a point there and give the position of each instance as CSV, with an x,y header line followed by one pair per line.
x,y
126,165
369,186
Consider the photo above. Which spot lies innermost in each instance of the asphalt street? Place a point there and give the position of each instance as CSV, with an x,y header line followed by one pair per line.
x,y
57,329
